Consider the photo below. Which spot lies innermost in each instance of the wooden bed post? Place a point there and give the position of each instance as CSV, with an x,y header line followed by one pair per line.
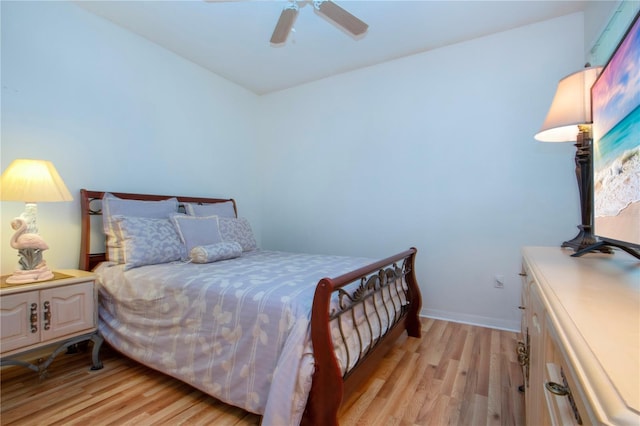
x,y
85,224
327,390
414,329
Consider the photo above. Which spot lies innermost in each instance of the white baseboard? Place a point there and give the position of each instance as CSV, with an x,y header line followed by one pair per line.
x,y
472,319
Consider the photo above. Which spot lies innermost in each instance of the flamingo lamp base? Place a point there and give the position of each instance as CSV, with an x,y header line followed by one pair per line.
x,y
24,276
33,267
30,246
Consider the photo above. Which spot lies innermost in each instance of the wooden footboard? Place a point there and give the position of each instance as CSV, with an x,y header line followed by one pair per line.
x,y
330,386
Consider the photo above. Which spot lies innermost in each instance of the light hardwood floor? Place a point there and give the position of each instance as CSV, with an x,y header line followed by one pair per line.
x,y
455,375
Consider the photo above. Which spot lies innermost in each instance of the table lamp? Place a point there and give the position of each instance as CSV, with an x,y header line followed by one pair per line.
x,y
31,181
569,120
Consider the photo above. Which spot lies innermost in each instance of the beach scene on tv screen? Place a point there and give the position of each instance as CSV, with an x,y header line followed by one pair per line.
x,y
616,154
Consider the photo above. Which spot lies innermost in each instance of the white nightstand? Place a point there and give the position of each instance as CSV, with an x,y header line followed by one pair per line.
x,y
60,311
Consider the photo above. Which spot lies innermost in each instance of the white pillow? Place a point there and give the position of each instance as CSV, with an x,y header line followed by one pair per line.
x,y
214,209
215,252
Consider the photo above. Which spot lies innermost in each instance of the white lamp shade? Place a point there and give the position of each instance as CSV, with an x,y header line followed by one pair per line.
x,y
33,181
570,108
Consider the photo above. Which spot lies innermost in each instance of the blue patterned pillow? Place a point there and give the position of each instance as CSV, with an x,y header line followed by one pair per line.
x,y
238,230
215,209
215,252
148,241
113,206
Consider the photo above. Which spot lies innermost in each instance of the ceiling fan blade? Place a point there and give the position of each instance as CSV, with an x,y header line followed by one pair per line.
x,y
284,25
341,17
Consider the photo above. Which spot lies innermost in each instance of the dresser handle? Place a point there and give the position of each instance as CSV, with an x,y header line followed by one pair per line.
x,y
47,315
33,317
522,307
557,388
522,274
523,354
564,390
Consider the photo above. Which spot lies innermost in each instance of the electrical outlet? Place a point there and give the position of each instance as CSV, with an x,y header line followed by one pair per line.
x,y
499,282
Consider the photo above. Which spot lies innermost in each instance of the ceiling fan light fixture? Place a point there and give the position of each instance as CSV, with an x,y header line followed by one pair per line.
x,y
285,23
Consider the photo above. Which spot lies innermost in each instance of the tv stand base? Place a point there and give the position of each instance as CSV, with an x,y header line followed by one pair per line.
x,y
600,245
585,240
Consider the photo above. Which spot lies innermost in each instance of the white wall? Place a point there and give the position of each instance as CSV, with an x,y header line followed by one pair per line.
x,y
113,111
434,151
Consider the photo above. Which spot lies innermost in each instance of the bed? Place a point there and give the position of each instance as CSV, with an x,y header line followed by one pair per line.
x,y
284,335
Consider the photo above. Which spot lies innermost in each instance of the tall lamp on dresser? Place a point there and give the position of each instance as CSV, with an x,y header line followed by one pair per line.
x,y
569,120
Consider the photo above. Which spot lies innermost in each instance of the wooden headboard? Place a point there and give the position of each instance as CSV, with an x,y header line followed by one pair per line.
x,y
91,205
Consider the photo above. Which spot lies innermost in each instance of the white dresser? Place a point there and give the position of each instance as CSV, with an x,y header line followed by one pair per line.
x,y
581,331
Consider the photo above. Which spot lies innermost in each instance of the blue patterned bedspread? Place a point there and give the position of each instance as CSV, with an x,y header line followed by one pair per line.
x,y
236,329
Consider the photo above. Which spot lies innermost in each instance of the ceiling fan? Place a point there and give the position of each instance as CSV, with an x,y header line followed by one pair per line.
x,y
325,8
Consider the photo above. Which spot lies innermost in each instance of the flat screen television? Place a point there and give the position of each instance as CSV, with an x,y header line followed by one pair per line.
x,y
615,103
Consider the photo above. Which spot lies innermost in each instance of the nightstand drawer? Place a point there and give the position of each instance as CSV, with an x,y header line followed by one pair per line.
x,y
19,320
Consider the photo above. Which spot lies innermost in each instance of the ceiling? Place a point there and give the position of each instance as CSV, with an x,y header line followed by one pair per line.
x,y
231,38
